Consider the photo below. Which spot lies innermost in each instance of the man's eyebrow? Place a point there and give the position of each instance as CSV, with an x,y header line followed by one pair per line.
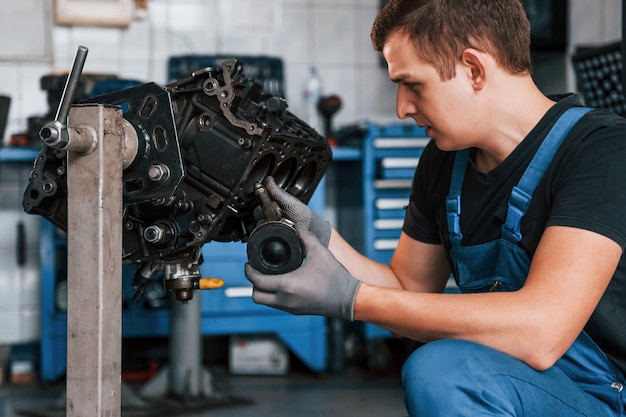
x,y
403,79
398,79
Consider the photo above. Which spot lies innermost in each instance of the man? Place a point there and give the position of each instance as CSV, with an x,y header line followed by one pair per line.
x,y
540,328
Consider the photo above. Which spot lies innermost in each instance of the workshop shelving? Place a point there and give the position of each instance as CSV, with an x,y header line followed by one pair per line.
x,y
390,156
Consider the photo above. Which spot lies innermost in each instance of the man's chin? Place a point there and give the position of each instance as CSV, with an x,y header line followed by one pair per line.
x,y
445,146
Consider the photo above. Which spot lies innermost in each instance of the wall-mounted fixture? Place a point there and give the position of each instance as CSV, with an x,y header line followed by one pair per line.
x,y
111,13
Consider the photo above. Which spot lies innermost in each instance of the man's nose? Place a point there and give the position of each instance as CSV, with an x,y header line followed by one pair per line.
x,y
405,108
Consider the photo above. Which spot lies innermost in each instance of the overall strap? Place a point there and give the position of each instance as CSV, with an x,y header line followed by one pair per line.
x,y
453,199
523,191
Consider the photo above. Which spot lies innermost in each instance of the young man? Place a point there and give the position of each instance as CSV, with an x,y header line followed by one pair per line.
x,y
540,328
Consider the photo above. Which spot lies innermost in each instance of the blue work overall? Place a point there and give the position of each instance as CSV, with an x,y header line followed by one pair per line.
x,y
461,378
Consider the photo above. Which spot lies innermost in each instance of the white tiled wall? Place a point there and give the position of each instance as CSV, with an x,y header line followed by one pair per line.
x,y
593,23
330,34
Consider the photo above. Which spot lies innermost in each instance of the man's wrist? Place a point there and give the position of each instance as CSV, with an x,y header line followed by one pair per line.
x,y
359,301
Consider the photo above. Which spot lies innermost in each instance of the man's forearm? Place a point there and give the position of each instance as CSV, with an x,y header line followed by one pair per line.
x,y
493,319
360,266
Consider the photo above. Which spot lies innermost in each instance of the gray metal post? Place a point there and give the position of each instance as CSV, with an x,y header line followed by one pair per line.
x,y
94,325
185,368
185,376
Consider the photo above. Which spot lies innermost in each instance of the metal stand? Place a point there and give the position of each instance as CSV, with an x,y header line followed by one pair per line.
x,y
94,309
93,385
95,140
184,377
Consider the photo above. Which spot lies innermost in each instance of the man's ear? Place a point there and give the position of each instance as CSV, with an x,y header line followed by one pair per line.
x,y
476,66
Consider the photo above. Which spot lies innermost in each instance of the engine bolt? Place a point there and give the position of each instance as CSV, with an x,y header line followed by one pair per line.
x,y
154,234
159,173
245,142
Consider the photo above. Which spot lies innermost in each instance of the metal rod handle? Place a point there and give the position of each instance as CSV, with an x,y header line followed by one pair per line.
x,y
71,84
54,134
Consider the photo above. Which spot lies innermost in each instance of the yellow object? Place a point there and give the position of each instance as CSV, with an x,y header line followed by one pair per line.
x,y
210,283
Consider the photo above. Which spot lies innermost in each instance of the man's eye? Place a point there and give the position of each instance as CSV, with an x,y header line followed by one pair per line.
x,y
414,87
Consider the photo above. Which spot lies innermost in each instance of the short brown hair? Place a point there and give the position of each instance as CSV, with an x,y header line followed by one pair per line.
x,y
442,29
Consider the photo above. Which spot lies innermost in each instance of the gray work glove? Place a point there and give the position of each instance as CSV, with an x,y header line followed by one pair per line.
x,y
298,212
321,286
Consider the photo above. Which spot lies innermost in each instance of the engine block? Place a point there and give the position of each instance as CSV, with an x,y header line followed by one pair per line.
x,y
203,144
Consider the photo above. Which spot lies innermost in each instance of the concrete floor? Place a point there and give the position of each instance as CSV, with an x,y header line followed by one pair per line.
x,y
354,392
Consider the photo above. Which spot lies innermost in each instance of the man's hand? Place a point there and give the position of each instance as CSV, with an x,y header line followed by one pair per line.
x,y
321,286
298,212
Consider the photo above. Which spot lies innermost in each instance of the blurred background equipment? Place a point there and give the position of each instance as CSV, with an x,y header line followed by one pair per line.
x,y
266,70
599,77
5,104
327,106
311,95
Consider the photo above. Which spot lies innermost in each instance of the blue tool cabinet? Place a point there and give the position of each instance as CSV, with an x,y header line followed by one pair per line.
x,y
390,156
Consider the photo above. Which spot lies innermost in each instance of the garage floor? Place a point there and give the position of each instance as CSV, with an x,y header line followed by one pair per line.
x,y
355,392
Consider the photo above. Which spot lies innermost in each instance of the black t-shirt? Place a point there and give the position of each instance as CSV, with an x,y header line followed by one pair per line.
x,y
584,187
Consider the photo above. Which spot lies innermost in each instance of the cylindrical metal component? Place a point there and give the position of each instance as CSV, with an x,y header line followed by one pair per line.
x,y
182,286
54,134
130,144
269,209
182,278
275,248
81,139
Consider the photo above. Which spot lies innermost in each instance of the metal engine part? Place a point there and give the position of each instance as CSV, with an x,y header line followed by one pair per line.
x,y
202,143
274,246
